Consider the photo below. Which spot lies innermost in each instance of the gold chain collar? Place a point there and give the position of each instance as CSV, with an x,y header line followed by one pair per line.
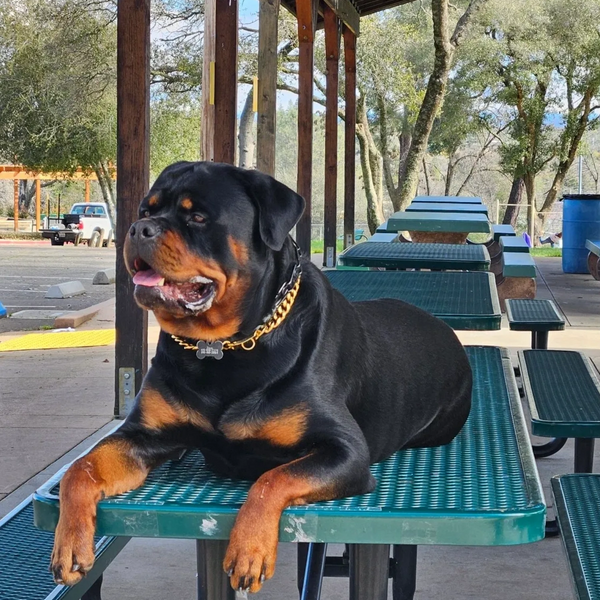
x,y
279,314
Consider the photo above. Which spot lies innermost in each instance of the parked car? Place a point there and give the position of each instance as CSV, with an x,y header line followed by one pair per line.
x,y
87,222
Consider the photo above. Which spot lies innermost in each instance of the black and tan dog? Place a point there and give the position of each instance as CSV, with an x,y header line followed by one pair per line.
x,y
308,389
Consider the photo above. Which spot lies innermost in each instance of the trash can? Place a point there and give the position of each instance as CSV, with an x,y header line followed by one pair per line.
x,y
581,221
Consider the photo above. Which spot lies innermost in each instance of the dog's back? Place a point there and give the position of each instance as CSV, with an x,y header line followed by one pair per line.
x,y
407,376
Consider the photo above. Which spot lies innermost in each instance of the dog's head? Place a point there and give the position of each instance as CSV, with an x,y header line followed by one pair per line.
x,y
203,232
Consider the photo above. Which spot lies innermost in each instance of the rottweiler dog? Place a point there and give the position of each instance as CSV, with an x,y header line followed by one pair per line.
x,y
262,365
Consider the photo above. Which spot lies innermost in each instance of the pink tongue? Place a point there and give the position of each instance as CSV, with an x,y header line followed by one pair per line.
x,y
149,278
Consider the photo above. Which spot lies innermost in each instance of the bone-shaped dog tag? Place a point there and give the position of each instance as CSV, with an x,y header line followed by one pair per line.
x,y
209,350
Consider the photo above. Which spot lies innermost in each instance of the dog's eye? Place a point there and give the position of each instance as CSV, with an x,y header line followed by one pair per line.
x,y
145,213
198,218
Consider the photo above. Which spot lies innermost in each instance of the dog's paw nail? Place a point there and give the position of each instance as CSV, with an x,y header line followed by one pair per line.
x,y
75,568
262,578
230,573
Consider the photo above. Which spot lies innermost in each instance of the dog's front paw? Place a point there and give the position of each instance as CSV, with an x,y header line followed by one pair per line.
x,y
250,560
73,553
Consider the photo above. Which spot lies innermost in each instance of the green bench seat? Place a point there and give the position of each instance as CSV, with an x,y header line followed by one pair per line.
x,y
379,236
518,264
593,246
578,513
25,556
563,392
502,230
383,228
537,316
512,243
593,260
439,222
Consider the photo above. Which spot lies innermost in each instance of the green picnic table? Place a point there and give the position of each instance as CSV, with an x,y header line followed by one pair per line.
x,y
481,489
464,300
458,257
449,199
447,207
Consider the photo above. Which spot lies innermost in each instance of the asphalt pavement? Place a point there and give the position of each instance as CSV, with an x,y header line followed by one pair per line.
x,y
28,269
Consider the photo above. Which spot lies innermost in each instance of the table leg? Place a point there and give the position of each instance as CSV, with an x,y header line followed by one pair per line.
x,y
213,582
405,572
539,340
313,577
584,455
94,593
369,571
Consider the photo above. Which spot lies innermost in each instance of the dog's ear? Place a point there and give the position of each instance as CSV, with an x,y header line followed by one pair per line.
x,y
279,207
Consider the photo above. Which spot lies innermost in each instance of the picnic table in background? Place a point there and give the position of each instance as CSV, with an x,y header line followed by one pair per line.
x,y
457,257
438,227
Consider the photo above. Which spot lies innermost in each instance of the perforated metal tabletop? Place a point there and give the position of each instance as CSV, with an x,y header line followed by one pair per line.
x,y
463,300
417,256
438,222
481,489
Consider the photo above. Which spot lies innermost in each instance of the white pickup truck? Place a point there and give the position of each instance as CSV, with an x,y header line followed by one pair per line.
x,y
86,222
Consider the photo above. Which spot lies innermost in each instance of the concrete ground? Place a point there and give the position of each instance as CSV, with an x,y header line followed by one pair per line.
x,y
55,403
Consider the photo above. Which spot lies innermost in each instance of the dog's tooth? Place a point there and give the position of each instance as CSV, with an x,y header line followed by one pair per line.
x,y
161,282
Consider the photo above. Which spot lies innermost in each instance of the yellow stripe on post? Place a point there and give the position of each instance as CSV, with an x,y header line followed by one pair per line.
x,y
255,94
38,204
211,90
16,203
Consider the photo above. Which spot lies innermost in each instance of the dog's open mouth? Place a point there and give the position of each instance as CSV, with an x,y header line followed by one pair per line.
x,y
194,295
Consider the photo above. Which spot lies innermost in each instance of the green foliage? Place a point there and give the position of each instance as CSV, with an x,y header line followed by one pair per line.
x,y
57,85
174,132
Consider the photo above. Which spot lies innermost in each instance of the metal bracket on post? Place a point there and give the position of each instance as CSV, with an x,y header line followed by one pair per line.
x,y
126,390
329,257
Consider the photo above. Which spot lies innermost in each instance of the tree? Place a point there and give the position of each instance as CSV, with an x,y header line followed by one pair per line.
x,y
546,59
445,48
57,88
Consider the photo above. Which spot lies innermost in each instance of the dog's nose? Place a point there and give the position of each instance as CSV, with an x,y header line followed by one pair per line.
x,y
144,229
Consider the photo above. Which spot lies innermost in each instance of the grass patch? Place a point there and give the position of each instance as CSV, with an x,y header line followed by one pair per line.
x,y
546,251
316,246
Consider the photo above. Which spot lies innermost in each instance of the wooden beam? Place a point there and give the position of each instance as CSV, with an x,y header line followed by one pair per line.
x,y
133,162
208,82
349,136
307,18
332,53
16,203
38,204
8,172
267,85
220,49
346,13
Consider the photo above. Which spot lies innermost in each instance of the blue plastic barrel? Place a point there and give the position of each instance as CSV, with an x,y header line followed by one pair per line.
x,y
2,310
581,221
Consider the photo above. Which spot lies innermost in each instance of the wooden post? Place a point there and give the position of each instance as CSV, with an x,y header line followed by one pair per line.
x,y
349,136
219,117
87,190
267,85
16,203
38,204
306,11
133,159
332,52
